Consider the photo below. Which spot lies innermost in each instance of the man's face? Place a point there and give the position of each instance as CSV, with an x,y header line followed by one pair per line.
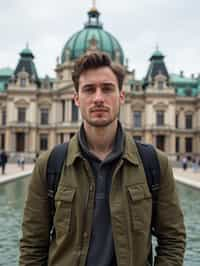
x,y
99,98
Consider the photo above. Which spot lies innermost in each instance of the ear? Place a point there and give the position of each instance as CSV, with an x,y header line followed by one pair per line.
x,y
122,96
76,99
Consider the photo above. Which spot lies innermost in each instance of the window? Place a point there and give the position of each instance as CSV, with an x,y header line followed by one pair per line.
x,y
74,112
2,141
21,114
160,142
61,137
23,82
188,92
3,117
44,116
188,144
137,87
43,142
177,121
160,118
137,119
188,121
137,138
71,135
63,110
160,84
177,144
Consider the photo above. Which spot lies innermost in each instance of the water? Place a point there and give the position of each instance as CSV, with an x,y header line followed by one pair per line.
x,y
12,197
190,201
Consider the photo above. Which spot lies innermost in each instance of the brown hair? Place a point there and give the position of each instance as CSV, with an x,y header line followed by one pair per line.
x,y
96,60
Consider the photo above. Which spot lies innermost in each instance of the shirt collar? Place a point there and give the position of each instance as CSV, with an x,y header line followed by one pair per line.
x,y
117,149
128,147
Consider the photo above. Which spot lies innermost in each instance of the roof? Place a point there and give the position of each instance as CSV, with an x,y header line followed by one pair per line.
x,y
157,66
157,53
92,32
26,52
2,86
26,63
184,86
6,72
49,78
175,78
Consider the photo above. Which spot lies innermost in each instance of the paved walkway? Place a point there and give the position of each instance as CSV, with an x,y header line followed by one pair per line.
x,y
187,177
13,171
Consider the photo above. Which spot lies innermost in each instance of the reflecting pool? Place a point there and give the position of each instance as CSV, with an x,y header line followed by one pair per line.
x,y
12,197
190,201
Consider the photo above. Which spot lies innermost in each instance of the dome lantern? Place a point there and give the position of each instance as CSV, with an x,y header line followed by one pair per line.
x,y
93,17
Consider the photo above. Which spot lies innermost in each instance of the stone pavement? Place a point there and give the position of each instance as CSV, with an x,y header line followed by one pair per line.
x,y
188,177
13,171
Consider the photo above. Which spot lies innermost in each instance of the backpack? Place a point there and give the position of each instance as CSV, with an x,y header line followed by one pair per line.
x,y
151,166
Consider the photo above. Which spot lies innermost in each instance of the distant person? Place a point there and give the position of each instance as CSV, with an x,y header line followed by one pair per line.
x,y
22,161
194,165
184,163
198,163
3,159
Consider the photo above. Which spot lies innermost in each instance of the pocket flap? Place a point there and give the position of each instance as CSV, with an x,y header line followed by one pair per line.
x,y
138,192
65,194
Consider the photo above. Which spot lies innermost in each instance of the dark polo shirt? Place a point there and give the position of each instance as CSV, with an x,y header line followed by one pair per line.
x,y
101,249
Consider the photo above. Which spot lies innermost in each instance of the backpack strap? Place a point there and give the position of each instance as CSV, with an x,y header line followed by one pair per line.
x,y
54,167
151,166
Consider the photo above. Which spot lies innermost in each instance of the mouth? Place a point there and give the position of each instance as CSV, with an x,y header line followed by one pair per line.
x,y
98,110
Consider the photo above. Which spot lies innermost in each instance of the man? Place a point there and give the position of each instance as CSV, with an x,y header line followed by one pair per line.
x,y
103,204
3,160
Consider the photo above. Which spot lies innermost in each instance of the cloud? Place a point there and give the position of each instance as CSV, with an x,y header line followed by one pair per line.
x,y
138,26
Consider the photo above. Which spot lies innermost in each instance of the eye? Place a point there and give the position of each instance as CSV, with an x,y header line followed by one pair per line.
x,y
108,88
88,89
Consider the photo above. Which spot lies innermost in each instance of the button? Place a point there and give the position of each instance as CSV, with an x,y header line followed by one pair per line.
x,y
85,234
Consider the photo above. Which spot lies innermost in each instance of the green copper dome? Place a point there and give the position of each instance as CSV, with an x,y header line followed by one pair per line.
x,y
92,35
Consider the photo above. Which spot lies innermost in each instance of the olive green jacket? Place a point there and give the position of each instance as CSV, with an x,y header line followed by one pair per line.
x,y
130,207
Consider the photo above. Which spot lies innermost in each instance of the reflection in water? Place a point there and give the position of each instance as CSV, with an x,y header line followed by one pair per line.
x,y
12,198
190,201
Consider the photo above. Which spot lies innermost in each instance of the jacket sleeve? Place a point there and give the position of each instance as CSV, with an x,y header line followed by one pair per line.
x,y
34,243
169,225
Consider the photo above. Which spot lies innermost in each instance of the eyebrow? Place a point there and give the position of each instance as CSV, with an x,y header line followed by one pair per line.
x,y
102,83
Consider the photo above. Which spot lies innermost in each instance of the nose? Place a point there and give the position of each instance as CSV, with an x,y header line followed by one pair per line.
x,y
98,97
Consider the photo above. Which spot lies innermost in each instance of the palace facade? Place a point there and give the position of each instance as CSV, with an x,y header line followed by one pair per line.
x,y
35,114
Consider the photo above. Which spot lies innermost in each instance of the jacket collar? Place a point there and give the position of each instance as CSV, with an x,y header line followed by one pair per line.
x,y
130,151
73,151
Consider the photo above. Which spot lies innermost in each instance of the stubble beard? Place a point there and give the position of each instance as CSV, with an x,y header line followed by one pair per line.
x,y
101,123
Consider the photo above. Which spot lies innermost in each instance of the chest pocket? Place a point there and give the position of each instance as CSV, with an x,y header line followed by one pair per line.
x,y
63,214
140,201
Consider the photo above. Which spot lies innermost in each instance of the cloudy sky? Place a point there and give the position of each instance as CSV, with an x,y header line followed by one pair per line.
x,y
138,25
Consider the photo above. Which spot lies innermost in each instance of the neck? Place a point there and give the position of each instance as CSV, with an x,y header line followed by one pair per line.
x,y
100,139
